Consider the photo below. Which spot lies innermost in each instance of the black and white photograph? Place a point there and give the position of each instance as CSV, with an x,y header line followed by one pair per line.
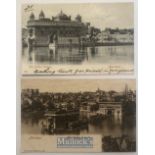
x,y
106,108
78,36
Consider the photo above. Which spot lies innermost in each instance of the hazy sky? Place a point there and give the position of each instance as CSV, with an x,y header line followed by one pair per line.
x,y
100,15
62,85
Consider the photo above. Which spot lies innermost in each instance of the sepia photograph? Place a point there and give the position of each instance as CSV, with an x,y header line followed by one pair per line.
x,y
78,36
101,112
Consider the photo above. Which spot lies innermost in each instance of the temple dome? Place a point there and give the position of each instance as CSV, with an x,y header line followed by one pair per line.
x,y
62,16
41,15
78,18
32,17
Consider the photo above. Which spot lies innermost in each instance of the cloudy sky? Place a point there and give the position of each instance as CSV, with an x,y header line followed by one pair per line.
x,y
100,15
70,85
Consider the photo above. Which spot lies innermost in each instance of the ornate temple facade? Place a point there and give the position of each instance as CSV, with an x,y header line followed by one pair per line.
x,y
60,29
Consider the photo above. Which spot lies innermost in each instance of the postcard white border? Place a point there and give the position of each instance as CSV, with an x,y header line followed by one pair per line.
x,y
19,73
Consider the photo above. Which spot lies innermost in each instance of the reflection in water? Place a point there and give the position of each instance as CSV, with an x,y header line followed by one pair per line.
x,y
109,126
79,55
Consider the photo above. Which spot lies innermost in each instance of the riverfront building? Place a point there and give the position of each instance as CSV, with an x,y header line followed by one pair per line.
x,y
110,108
116,36
104,108
60,29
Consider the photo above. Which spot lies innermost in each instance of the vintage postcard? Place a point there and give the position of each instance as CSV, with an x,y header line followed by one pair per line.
x,y
77,91
77,38
78,115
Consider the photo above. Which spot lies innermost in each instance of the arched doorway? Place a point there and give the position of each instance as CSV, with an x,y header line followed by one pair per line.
x,y
109,112
51,38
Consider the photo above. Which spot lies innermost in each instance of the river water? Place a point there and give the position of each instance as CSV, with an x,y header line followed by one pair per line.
x,y
77,55
110,126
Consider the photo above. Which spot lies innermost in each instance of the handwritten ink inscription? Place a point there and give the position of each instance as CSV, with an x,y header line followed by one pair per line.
x,y
108,70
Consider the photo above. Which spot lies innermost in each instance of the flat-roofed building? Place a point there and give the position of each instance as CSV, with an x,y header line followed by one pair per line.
x,y
110,108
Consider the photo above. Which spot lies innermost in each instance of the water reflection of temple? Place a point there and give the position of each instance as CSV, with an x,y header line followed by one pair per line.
x,y
74,55
78,55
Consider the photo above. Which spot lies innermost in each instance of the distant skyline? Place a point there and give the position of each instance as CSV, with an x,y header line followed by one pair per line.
x,y
100,15
77,85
